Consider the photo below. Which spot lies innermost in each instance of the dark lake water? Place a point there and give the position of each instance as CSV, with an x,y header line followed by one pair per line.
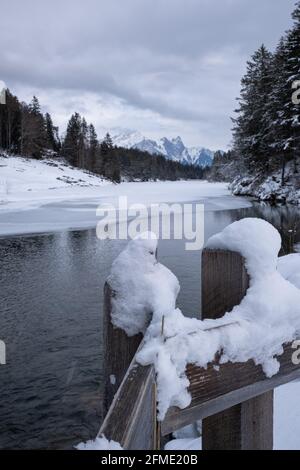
x,y
51,321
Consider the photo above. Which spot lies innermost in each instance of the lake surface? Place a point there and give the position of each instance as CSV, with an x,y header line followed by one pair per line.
x,y
51,321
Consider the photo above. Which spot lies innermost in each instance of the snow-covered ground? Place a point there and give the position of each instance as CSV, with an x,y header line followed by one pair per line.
x,y
41,196
26,183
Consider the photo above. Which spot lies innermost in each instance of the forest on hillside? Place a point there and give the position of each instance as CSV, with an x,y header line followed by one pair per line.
x,y
26,131
266,127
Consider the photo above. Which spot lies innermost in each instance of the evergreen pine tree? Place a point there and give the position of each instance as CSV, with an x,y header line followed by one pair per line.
x,y
93,150
277,127
110,159
83,144
71,143
250,125
51,133
34,106
289,119
33,130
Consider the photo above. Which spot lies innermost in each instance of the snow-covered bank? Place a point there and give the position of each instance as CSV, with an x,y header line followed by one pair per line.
x,y
40,196
269,188
28,183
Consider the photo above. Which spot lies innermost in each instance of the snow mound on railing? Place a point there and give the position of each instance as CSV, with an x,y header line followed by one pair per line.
x,y
143,288
255,239
267,318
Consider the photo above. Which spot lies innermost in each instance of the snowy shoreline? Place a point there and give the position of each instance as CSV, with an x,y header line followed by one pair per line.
x,y
269,187
49,196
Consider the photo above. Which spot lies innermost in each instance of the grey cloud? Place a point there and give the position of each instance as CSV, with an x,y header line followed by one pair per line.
x,y
180,59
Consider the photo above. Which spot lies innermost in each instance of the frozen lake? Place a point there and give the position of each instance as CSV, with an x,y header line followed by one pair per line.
x,y
71,208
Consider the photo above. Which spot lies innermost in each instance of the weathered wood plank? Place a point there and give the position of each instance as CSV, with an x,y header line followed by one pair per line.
x,y
224,282
214,391
131,419
248,423
119,351
257,422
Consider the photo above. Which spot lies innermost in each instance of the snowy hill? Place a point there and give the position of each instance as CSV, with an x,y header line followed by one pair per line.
x,y
173,149
27,179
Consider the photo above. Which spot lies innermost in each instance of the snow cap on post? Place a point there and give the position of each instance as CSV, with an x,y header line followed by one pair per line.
x,y
143,288
255,239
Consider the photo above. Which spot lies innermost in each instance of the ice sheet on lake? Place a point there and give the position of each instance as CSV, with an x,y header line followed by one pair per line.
x,y
38,196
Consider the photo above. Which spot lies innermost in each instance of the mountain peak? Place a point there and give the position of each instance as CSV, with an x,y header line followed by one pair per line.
x,y
177,140
173,149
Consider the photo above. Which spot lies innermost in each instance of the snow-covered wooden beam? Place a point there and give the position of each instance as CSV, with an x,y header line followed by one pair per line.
x,y
221,387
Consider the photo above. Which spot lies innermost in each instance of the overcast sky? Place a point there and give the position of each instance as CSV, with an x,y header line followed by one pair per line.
x,y
163,67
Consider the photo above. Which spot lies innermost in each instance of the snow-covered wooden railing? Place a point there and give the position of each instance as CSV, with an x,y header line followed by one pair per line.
x,y
235,400
129,401
131,419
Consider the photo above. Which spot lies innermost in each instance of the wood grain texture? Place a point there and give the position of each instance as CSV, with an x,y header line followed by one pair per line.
x,y
119,350
214,391
131,419
257,422
245,427
224,282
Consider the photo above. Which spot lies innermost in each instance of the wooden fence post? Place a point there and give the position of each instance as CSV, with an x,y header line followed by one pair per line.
x,y
249,425
119,350
131,419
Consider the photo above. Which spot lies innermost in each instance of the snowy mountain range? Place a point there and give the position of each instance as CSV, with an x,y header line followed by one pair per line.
x,y
173,149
